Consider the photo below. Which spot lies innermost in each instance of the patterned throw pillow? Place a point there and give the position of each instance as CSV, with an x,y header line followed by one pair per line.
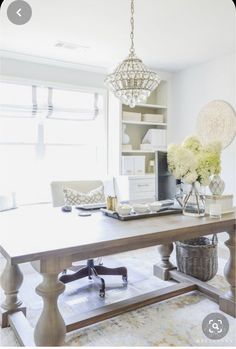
x,y
74,197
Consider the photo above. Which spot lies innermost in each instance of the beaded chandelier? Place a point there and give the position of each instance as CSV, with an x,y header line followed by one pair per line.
x,y
132,82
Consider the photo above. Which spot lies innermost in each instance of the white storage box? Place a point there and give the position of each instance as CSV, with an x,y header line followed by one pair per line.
x,y
127,165
146,147
159,118
155,137
130,116
139,165
135,188
127,147
133,165
225,202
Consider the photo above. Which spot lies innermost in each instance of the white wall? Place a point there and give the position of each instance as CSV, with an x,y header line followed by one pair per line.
x,y
192,88
45,72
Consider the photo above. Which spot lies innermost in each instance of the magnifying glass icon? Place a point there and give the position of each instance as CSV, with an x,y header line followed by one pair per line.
x,y
215,326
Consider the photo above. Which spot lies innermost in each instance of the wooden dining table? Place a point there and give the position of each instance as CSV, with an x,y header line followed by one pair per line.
x,y
52,240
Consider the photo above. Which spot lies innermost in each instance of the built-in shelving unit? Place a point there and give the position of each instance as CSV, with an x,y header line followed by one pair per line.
x,y
138,151
144,123
154,106
157,103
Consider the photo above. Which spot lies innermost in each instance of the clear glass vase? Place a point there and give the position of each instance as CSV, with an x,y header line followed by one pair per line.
x,y
194,201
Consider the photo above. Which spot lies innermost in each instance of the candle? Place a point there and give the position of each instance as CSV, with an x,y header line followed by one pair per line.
x,y
215,210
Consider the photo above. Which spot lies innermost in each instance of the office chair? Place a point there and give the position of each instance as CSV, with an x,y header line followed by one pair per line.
x,y
91,270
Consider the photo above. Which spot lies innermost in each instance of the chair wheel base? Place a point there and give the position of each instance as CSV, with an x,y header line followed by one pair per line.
x,y
125,279
102,293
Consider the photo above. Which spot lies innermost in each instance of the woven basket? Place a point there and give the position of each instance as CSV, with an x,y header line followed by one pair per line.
x,y
198,257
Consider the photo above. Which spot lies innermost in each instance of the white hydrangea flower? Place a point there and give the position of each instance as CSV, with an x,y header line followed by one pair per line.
x,y
193,162
213,147
190,177
192,143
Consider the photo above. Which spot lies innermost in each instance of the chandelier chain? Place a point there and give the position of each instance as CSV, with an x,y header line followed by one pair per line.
x,y
132,27
132,82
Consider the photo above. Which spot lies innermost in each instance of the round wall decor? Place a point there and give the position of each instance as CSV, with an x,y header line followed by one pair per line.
x,y
217,122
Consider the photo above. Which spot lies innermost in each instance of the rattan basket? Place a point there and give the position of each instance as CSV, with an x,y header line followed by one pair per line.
x,y
198,257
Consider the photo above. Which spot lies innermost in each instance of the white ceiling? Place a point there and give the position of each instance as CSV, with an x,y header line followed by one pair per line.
x,y
170,34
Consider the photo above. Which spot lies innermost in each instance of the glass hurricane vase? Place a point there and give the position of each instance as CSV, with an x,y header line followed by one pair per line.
x,y
194,202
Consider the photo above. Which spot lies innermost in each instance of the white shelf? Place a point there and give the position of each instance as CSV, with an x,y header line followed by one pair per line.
x,y
138,151
137,128
144,123
146,175
156,106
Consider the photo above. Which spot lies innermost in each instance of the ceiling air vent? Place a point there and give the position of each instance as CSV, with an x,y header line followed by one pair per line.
x,y
70,46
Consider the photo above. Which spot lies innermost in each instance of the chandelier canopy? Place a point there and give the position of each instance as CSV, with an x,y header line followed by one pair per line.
x,y
132,82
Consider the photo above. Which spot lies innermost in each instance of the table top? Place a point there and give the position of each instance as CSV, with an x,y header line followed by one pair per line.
x,y
39,231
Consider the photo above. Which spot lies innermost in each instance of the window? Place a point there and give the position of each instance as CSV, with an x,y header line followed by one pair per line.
x,y
46,134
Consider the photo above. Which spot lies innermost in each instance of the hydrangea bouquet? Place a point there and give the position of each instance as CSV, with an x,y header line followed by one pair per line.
x,y
192,161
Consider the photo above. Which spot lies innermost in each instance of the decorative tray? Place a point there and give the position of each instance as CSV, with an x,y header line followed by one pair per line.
x,y
133,215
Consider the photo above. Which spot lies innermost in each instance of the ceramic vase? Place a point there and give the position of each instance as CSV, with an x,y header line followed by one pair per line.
x,y
125,139
217,185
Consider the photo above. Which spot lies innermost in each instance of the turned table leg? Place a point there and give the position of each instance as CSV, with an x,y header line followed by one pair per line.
x,y
50,329
161,269
227,303
11,281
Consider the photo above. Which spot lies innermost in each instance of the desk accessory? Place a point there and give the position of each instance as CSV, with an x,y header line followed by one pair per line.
x,y
66,208
225,202
112,203
215,210
155,206
217,185
149,214
85,214
140,208
166,203
124,209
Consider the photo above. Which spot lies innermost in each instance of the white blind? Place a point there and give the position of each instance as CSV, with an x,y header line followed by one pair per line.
x,y
18,100
37,146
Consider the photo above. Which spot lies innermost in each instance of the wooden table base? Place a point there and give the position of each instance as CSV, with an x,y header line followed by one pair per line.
x,y
24,332
165,270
